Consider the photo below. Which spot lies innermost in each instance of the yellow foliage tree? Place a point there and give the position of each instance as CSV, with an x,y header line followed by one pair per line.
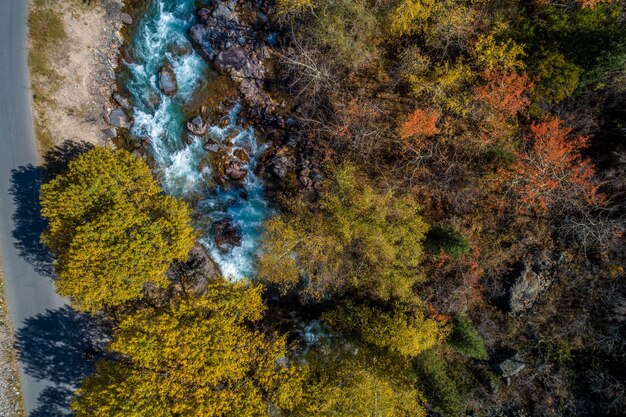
x,y
348,381
195,356
111,229
286,7
410,16
356,238
403,330
491,55
444,85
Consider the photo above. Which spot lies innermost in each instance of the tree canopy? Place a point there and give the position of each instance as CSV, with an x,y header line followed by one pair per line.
x,y
112,229
193,356
354,238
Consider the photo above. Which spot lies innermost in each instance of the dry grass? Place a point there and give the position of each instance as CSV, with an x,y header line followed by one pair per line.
x,y
46,33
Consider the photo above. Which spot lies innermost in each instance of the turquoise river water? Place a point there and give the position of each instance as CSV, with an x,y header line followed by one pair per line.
x,y
159,38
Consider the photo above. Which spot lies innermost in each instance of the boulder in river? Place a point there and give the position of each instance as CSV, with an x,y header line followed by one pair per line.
x,y
122,101
126,19
226,235
167,81
197,126
118,118
211,147
235,172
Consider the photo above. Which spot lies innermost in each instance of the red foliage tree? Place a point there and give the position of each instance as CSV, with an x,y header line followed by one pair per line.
x,y
502,97
419,125
553,174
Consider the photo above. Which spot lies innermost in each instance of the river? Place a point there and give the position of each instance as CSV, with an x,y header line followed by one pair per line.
x,y
159,38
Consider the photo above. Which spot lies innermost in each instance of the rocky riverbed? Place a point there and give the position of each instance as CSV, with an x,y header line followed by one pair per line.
x,y
192,104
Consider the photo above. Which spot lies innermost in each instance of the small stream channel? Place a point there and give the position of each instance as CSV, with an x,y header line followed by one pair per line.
x,y
183,166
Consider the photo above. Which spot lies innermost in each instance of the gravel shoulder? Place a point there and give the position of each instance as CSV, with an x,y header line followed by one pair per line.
x,y
10,392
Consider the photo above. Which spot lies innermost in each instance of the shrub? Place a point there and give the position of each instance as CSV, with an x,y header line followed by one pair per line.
x,y
465,338
444,238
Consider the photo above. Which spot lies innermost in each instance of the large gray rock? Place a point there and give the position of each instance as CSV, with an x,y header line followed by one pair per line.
x,y
530,279
211,147
126,19
279,166
200,36
122,101
108,133
119,118
235,172
201,260
231,59
510,367
167,81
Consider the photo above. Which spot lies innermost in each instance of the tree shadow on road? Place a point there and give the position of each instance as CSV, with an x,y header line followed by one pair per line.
x,y
53,402
26,183
51,347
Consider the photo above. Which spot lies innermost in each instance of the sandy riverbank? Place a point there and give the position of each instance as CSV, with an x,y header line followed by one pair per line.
x,y
73,68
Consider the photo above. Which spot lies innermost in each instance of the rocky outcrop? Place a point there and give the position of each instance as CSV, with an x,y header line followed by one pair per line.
x,y
530,279
122,101
235,172
232,48
278,166
195,273
509,367
167,81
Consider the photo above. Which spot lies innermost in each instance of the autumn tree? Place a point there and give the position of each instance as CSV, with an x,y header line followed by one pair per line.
x,y
353,238
553,173
403,330
502,96
112,229
195,356
351,381
419,125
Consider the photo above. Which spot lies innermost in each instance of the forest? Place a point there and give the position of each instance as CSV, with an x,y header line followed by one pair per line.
x,y
447,236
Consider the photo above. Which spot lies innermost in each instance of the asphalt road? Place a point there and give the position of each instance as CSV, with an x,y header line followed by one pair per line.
x,y
50,336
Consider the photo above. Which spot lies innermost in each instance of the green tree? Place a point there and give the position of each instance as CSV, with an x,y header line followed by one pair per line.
x,y
558,78
465,339
441,390
196,356
354,238
111,229
444,238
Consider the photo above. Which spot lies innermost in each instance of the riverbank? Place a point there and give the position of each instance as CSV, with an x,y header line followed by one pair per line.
x,y
10,392
72,58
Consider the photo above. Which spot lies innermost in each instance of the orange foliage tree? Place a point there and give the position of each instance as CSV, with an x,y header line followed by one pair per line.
x,y
502,97
504,94
553,174
418,125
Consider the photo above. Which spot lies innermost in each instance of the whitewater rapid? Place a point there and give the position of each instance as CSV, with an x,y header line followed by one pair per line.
x,y
159,38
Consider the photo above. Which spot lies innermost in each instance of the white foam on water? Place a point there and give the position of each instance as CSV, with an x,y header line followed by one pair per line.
x,y
160,119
